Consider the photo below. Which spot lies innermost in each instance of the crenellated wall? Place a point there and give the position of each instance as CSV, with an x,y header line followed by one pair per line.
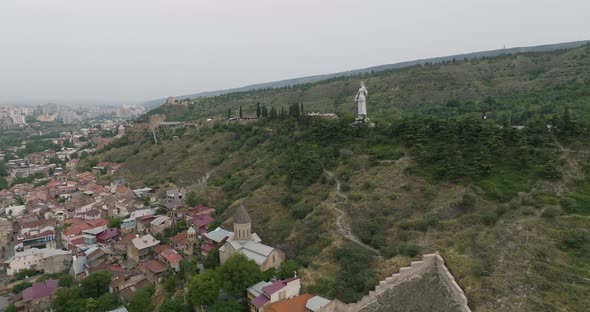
x,y
414,271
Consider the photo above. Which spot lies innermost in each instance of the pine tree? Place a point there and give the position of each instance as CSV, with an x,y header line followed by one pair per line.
x,y
301,111
241,115
228,113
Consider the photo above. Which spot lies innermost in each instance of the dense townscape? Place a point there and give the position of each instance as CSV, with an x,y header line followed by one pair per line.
x,y
450,184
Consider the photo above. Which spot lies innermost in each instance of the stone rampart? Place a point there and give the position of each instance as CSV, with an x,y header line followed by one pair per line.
x,y
415,270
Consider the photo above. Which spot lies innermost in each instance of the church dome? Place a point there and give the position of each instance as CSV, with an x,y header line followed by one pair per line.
x,y
242,216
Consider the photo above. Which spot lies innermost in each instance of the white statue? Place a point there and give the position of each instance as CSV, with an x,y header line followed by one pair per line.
x,y
361,99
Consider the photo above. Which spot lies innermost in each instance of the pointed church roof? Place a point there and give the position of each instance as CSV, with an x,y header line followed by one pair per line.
x,y
242,216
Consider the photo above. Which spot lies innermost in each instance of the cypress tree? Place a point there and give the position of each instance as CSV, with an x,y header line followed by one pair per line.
x,y
241,112
228,113
264,111
258,112
273,113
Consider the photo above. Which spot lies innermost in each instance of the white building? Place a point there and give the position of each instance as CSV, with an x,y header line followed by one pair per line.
x,y
48,260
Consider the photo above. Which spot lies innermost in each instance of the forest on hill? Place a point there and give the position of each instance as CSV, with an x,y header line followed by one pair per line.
x,y
507,207
371,70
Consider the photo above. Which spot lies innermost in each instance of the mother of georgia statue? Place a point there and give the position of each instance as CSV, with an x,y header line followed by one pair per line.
x,y
361,99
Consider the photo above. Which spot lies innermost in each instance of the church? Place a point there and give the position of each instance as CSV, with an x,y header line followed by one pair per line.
x,y
245,242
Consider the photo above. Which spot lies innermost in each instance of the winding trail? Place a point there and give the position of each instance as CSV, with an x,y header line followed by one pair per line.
x,y
343,226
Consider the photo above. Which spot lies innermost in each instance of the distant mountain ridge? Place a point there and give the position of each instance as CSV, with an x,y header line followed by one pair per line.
x,y
311,79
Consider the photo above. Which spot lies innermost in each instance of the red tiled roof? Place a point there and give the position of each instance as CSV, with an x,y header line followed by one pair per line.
x,y
179,238
158,249
201,221
45,233
126,239
295,304
108,234
78,225
199,210
39,290
85,175
154,266
171,256
77,241
207,247
146,217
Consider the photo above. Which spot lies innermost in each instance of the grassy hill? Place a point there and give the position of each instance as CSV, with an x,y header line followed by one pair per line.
x,y
380,68
508,209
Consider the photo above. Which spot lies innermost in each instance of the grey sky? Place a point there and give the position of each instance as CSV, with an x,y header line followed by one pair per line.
x,y
132,50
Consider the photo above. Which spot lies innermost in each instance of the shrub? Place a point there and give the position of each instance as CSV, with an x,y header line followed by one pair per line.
x,y
407,187
574,240
489,217
300,210
18,288
467,202
345,187
570,205
500,210
390,252
551,212
355,196
528,212
514,204
409,250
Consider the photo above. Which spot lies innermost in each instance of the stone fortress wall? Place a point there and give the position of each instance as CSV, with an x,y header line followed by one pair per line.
x,y
415,270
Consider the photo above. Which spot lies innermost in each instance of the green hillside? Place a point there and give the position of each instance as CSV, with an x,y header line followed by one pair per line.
x,y
508,209
442,89
380,68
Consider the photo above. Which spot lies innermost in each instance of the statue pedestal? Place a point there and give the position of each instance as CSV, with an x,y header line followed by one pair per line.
x,y
363,121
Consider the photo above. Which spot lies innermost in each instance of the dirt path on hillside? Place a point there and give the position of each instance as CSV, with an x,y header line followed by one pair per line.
x,y
343,226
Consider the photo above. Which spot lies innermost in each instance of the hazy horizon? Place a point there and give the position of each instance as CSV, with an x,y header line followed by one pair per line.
x,y
134,51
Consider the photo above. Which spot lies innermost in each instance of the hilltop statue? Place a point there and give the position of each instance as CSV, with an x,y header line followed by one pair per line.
x,y
361,99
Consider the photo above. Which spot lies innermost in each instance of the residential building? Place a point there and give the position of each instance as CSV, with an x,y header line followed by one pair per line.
x,y
185,241
128,224
272,292
107,236
295,304
48,260
159,224
37,298
141,248
154,270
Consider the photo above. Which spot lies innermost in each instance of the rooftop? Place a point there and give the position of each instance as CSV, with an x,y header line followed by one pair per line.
x,y
154,266
39,290
295,304
242,216
219,234
160,220
316,303
145,241
201,221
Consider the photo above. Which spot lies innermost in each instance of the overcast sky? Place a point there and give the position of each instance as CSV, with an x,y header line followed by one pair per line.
x,y
133,50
